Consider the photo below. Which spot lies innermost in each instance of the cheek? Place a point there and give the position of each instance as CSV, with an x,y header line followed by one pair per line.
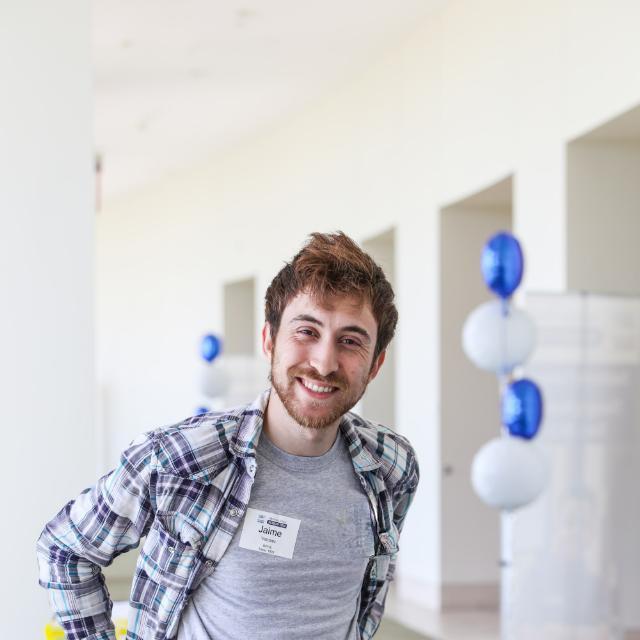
x,y
291,355
357,371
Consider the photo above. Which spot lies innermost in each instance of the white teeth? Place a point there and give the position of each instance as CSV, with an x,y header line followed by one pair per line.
x,y
315,387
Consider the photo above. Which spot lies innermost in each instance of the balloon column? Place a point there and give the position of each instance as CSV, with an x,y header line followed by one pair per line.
x,y
507,472
510,471
214,382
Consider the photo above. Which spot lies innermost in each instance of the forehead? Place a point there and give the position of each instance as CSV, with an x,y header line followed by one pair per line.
x,y
341,309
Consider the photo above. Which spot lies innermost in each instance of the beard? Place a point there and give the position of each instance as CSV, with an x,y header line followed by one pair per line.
x,y
335,406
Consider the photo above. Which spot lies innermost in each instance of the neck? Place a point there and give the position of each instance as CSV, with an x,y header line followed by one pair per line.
x,y
292,437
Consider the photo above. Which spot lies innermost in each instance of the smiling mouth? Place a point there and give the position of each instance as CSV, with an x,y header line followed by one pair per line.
x,y
318,390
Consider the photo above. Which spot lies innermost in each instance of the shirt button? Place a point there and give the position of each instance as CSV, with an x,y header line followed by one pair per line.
x,y
171,549
208,564
233,512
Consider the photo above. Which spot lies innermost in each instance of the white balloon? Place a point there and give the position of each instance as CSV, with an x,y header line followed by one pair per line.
x,y
509,472
497,342
214,382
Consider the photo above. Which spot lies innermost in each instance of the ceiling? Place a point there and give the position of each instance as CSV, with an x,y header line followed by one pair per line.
x,y
176,82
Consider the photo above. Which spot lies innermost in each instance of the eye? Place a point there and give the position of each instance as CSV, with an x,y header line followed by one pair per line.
x,y
350,342
305,331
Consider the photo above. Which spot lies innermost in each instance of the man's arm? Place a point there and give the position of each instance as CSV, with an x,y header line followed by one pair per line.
x,y
88,533
402,499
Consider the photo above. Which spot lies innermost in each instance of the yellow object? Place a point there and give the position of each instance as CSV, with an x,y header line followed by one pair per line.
x,y
53,631
121,628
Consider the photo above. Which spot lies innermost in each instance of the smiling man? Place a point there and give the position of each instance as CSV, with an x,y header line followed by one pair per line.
x,y
275,520
321,364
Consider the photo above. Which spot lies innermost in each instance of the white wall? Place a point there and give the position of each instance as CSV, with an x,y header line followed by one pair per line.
x,y
481,91
46,282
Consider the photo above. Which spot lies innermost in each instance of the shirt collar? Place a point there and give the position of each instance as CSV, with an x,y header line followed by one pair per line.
x,y
363,459
252,418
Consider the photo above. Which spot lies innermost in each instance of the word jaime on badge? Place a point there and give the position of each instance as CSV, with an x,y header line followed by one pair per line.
x,y
269,533
273,532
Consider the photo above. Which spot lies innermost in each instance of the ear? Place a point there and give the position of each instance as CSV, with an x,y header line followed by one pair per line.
x,y
267,341
376,365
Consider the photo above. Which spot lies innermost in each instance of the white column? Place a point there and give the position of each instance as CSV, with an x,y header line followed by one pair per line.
x,y
46,286
419,574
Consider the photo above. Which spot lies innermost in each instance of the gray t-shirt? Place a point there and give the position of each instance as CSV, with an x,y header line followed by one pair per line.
x,y
257,591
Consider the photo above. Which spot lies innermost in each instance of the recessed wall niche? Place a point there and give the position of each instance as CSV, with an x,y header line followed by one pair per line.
x,y
603,257
603,208
239,318
469,401
379,402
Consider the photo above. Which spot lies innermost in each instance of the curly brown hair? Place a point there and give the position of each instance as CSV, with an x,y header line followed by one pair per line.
x,y
328,265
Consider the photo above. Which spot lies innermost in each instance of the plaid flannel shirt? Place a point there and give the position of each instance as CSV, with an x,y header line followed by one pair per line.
x,y
186,488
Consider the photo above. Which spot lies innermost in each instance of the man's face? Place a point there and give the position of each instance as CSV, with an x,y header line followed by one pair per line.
x,y
322,357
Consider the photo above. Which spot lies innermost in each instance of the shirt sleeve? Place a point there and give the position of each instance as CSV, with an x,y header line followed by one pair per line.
x,y
402,498
88,533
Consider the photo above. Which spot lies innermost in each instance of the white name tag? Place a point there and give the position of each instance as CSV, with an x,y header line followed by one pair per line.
x,y
269,533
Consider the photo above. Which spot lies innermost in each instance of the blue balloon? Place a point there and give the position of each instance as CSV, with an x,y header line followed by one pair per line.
x,y
202,410
502,264
210,347
522,408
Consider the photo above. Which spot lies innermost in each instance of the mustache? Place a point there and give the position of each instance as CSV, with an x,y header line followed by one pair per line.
x,y
332,380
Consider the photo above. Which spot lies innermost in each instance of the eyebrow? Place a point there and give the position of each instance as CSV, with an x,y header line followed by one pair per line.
x,y
354,328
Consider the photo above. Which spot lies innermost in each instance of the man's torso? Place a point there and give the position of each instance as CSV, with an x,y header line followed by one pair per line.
x,y
297,561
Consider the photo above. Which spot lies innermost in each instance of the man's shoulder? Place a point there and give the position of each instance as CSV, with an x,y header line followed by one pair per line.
x,y
372,430
393,451
198,447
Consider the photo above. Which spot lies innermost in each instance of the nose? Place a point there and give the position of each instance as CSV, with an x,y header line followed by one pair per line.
x,y
324,358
